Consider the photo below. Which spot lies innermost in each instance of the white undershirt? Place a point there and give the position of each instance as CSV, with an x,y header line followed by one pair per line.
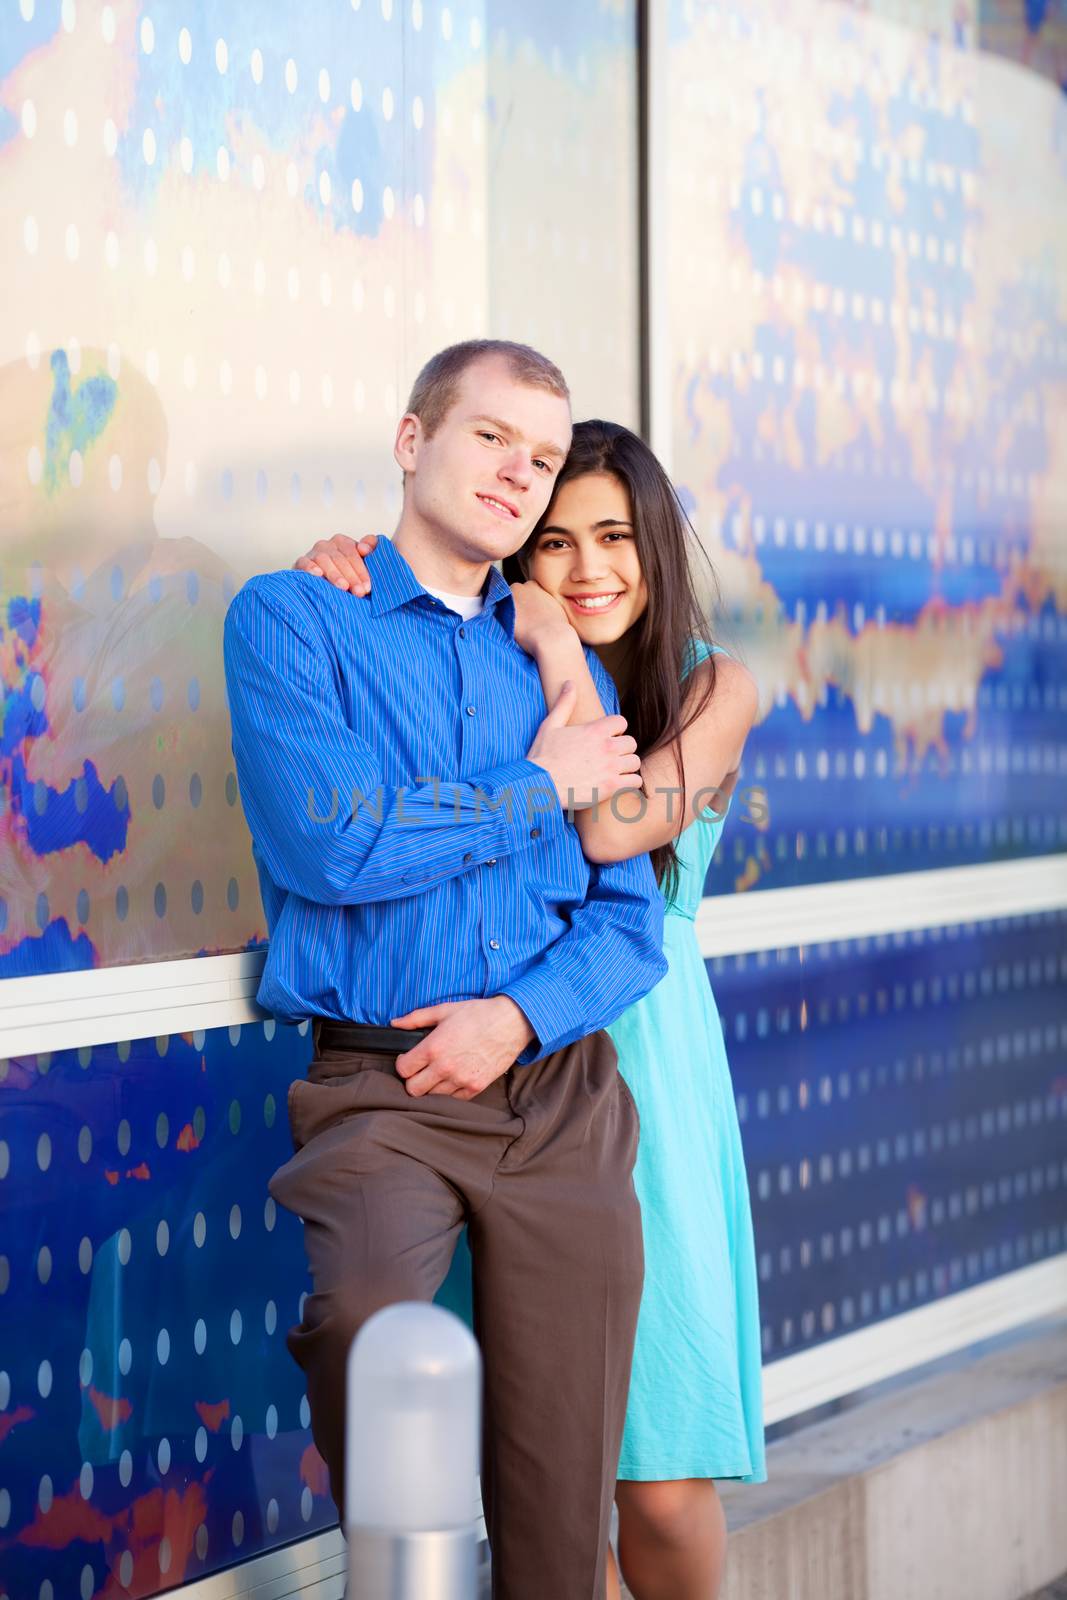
x,y
468,605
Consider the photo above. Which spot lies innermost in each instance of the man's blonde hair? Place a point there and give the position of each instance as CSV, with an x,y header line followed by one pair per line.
x,y
434,391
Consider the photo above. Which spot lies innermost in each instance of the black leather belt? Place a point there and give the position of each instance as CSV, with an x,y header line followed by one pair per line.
x,y
362,1037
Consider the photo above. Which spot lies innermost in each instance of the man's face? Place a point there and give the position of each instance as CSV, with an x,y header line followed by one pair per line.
x,y
484,478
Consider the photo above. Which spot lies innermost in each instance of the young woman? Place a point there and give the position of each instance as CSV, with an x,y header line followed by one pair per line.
x,y
607,567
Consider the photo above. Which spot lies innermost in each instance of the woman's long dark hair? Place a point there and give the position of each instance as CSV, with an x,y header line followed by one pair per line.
x,y
654,704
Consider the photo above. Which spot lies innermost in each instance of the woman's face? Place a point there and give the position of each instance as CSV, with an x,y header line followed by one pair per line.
x,y
586,555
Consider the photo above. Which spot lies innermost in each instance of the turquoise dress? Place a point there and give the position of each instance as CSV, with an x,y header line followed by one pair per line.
x,y
695,1408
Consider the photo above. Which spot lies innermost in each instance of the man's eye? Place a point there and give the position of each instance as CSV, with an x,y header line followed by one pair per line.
x,y
546,464
485,434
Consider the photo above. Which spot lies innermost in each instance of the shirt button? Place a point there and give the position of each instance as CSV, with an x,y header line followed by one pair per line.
x,y
494,944
535,833
468,857
462,633
491,862
470,711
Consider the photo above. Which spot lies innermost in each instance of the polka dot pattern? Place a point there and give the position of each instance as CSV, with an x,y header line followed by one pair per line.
x,y
138,1374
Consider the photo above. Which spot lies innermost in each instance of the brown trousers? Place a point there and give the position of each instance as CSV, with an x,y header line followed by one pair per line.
x,y
539,1166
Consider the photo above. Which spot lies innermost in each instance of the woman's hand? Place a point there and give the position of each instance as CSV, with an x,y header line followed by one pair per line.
x,y
340,559
539,616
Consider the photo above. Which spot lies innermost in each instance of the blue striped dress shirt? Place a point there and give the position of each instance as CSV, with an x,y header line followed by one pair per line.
x,y
408,852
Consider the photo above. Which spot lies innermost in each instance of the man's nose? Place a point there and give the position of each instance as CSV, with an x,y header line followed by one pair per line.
x,y
517,469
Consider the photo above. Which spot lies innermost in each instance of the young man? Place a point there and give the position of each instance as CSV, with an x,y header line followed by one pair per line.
x,y
430,906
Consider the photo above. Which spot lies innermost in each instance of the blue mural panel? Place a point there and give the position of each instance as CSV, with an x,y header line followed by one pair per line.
x,y
867,352
153,1426
903,1107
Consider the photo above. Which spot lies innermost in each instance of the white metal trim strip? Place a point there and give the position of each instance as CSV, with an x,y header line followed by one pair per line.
x,y
63,1010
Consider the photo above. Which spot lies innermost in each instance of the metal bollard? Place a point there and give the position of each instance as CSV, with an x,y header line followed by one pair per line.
x,y
411,1456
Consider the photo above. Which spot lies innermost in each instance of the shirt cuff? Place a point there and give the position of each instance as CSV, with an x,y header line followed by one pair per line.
x,y
525,798
547,1002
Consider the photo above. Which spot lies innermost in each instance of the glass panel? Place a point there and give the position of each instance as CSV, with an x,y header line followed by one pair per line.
x,y
156,1426
867,353
234,240
902,1104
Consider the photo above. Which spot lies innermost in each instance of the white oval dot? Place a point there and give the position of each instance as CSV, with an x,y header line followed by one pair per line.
x,y
29,118
222,55
72,242
70,127
114,472
357,195
111,137
387,104
324,188
355,94
107,24
44,1379
148,146
324,85
30,235
185,47
68,12
256,66
44,1152
148,35
76,467
222,164
290,75
185,154
111,250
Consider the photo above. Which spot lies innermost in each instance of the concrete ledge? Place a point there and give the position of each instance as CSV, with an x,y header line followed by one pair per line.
x,y
951,1488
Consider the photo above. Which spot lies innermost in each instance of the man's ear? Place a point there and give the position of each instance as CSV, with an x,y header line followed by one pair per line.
x,y
409,437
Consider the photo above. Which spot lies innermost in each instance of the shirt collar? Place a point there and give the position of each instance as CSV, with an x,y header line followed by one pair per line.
x,y
393,584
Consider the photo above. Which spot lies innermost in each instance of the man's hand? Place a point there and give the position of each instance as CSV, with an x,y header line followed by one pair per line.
x,y
589,762
340,561
473,1043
